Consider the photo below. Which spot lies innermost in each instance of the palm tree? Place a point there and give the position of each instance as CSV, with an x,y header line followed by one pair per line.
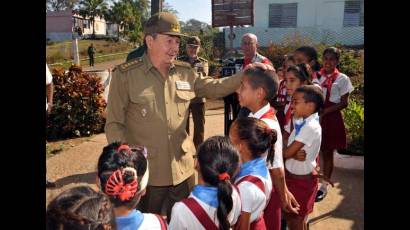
x,y
120,13
115,15
92,9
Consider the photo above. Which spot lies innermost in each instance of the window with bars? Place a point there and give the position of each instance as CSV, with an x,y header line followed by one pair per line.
x,y
353,13
283,15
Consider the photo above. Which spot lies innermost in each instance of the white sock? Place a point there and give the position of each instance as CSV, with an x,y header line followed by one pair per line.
x,y
324,186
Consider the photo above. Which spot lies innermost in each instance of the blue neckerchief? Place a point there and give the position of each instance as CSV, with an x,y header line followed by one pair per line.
x,y
256,167
206,194
298,126
130,222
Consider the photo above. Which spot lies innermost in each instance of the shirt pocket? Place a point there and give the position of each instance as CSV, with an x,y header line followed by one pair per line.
x,y
335,93
182,100
142,106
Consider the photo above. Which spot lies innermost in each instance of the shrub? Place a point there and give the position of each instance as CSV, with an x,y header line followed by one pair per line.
x,y
78,104
353,117
349,64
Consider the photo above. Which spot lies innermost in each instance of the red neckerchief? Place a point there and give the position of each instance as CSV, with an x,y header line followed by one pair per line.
x,y
246,62
256,58
282,86
288,114
327,83
269,115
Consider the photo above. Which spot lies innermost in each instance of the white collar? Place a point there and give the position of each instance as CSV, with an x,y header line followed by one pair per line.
x,y
312,116
260,112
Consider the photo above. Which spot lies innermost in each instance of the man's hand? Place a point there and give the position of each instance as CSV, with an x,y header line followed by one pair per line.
x,y
300,155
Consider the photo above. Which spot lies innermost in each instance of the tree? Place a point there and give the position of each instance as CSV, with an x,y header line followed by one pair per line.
x,y
166,7
129,15
116,15
193,25
92,9
60,5
143,6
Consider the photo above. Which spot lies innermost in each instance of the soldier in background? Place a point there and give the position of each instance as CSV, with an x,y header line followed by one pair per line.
x,y
197,105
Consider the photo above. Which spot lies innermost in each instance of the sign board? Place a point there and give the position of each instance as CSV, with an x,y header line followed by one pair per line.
x,y
232,13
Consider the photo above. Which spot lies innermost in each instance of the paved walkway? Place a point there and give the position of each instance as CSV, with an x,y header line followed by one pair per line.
x,y
104,65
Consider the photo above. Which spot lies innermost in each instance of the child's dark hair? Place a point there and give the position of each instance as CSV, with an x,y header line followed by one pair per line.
x,y
289,57
312,93
258,136
301,71
218,160
119,161
332,50
311,53
267,80
80,208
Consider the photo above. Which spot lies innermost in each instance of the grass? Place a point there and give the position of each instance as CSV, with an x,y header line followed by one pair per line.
x,y
97,59
61,51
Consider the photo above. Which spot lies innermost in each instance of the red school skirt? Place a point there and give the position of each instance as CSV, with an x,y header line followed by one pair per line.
x,y
304,190
258,224
273,212
333,130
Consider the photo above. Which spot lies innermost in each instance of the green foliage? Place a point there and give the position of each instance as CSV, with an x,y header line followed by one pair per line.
x,y
208,37
350,64
78,105
353,117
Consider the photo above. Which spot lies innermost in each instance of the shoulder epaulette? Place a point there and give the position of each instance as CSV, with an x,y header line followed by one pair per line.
x,y
130,64
182,63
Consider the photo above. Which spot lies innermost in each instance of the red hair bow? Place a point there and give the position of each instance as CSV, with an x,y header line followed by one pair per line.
x,y
124,147
224,176
115,186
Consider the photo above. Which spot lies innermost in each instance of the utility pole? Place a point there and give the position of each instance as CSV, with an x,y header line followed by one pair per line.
x,y
75,49
156,6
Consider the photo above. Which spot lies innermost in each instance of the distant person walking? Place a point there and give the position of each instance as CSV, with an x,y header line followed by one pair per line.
x,y
91,52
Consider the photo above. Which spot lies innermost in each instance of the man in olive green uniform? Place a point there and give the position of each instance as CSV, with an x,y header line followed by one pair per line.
x,y
138,52
91,52
148,105
197,105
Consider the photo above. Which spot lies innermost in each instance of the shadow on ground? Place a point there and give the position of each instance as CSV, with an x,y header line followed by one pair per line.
x,y
351,205
89,178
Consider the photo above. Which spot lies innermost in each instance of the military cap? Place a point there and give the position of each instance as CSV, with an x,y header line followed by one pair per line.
x,y
163,23
194,41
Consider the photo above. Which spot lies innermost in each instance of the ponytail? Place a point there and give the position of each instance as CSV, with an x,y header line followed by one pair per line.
x,y
218,160
225,204
271,150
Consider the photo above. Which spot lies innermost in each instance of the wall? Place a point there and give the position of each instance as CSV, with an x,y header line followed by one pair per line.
x,y
318,20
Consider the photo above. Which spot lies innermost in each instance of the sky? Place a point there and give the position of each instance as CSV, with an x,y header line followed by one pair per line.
x,y
197,9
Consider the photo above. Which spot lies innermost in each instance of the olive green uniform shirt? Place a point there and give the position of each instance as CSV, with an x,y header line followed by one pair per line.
x,y
201,66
